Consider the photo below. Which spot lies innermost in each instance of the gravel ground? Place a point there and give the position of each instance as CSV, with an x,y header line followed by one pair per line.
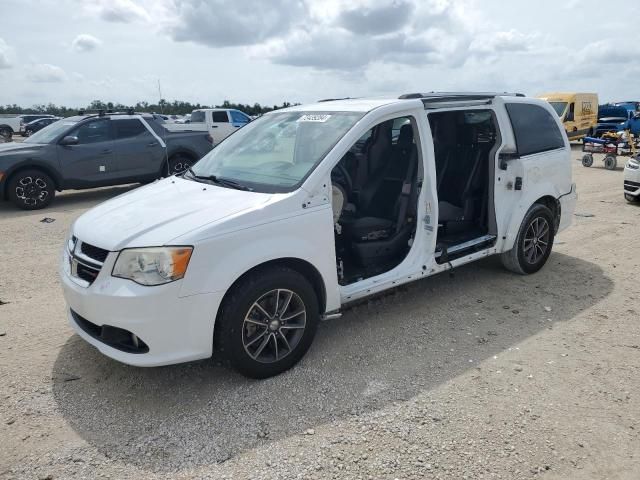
x,y
482,374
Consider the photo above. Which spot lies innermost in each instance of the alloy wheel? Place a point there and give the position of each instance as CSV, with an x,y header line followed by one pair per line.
x,y
32,190
274,325
536,240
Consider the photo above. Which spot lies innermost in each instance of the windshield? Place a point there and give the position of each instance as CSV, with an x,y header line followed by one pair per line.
x,y
50,132
559,107
276,152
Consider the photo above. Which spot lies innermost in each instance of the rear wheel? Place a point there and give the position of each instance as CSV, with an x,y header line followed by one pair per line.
x,y
533,243
587,160
31,189
267,322
178,164
630,198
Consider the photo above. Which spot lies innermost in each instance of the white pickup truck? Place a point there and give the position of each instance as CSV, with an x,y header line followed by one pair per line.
x,y
219,122
16,123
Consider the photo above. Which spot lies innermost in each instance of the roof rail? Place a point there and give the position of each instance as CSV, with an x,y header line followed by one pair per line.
x,y
451,96
334,99
102,112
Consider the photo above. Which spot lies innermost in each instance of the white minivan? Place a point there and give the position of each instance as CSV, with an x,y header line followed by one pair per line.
x,y
308,209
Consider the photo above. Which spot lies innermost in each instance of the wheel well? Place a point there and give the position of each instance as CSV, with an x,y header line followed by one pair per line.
x,y
552,204
30,167
4,125
183,153
302,267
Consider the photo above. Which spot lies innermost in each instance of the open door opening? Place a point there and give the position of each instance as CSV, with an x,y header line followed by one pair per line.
x,y
375,196
465,144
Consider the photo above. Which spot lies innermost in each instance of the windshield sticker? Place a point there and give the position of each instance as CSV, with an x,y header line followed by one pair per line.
x,y
314,118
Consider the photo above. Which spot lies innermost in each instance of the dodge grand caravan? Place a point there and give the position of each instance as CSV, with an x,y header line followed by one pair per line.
x,y
310,208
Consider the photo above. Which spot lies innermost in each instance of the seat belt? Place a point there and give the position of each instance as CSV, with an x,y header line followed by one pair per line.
x,y
407,187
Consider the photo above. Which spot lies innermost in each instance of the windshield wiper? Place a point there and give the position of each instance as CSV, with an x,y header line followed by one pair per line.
x,y
225,182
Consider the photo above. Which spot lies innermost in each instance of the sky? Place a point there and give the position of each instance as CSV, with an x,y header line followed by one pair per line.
x,y
70,52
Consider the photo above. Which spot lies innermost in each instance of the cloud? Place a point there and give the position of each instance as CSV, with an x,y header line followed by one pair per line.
x,y
224,23
4,55
46,73
85,43
377,20
494,43
118,11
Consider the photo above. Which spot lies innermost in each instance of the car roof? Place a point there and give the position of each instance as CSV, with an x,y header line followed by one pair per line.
x,y
367,104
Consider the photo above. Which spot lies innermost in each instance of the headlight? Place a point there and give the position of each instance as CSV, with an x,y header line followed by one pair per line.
x,y
152,266
71,243
633,163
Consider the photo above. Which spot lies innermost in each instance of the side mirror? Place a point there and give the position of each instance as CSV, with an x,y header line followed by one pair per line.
x,y
569,117
69,140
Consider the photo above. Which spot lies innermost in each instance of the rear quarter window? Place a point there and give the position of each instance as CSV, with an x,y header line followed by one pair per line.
x,y
534,128
219,117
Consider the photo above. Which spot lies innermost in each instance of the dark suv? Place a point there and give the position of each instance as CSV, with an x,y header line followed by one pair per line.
x,y
89,151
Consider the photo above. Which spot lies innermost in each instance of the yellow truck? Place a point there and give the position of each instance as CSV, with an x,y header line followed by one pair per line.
x,y
578,112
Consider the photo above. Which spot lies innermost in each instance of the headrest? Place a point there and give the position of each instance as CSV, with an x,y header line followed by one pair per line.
x,y
405,138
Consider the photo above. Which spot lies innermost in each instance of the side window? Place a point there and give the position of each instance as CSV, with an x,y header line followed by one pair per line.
x,y
129,128
534,128
197,117
93,132
238,117
219,117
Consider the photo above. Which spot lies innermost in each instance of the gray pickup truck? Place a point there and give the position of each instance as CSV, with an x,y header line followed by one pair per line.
x,y
88,151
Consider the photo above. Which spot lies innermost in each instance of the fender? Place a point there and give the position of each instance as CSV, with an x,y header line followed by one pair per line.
x,y
239,251
31,163
531,196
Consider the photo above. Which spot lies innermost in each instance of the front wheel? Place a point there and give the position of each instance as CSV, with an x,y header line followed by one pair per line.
x,y
533,243
587,160
267,322
31,189
6,132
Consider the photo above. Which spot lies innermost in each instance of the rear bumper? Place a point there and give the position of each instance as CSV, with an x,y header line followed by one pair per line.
x,y
567,208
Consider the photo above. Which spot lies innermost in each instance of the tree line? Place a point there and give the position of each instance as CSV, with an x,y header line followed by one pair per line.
x,y
176,107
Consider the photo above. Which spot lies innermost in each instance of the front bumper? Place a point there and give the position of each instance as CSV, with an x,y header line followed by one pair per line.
x,y
175,329
632,181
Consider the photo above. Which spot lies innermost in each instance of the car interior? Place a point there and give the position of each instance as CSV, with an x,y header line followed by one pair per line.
x,y
375,194
465,144
376,186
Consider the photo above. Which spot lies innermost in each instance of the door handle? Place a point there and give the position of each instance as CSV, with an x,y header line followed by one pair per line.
x,y
106,151
214,126
152,144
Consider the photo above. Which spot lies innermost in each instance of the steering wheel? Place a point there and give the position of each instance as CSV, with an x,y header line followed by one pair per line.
x,y
341,176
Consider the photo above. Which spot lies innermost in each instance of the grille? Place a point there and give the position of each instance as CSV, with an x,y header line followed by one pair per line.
x,y
630,186
93,252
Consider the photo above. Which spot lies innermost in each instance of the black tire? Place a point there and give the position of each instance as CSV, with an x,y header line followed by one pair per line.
x,y
610,162
630,198
241,328
6,132
28,133
31,189
178,164
520,258
587,160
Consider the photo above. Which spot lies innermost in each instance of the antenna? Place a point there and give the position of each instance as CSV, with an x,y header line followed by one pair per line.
x,y
160,94
164,132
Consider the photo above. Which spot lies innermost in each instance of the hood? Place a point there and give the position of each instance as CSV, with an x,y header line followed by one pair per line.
x,y
15,147
156,214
